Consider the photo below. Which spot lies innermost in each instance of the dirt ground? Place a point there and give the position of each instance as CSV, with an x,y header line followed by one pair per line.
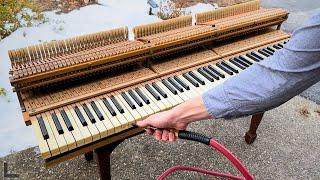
x,y
63,6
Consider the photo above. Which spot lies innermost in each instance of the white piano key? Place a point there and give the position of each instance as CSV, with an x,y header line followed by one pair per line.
x,y
134,112
106,113
43,146
91,127
121,117
67,134
160,104
175,97
99,124
63,147
53,145
75,132
151,104
127,115
83,129
170,98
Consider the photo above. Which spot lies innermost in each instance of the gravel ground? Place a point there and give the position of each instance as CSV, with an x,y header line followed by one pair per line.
x,y
287,147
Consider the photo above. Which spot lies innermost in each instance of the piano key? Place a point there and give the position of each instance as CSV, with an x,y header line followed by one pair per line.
x,y
143,97
171,97
71,143
80,116
169,86
192,89
267,51
277,47
135,97
89,114
257,56
196,77
226,65
62,144
103,129
189,79
66,120
146,108
175,84
224,69
252,57
165,101
140,110
233,66
106,113
109,107
241,62
246,60
96,110
159,90
57,123
159,104
129,102
280,45
83,129
206,83
129,114
263,53
216,71
154,94
271,49
116,103
181,82
212,74
237,64
91,127
43,128
75,132
205,74
121,118
52,143
150,104
43,146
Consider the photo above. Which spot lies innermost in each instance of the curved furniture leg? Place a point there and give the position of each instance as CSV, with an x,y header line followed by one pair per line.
x,y
251,135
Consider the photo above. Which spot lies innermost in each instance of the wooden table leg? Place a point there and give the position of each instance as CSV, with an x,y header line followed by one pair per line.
x,y
88,156
251,135
103,158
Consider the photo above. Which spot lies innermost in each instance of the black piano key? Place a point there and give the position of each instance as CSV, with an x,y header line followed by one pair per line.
x,y
80,116
257,55
280,45
245,60
206,75
169,86
193,82
241,62
109,107
252,57
160,91
267,51
196,77
57,123
229,67
96,110
89,114
117,104
277,47
143,97
135,98
263,53
285,42
175,84
43,128
153,92
128,100
212,74
66,120
213,69
270,49
224,69
237,64
180,81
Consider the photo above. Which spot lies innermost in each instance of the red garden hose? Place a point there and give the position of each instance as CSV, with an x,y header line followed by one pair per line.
x,y
214,144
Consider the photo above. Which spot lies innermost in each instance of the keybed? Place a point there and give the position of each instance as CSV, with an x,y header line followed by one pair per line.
x,y
84,122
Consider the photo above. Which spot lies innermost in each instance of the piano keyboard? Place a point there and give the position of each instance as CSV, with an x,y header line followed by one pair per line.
x,y
81,123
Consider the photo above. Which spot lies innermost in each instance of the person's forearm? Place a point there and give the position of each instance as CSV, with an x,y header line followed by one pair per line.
x,y
190,111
